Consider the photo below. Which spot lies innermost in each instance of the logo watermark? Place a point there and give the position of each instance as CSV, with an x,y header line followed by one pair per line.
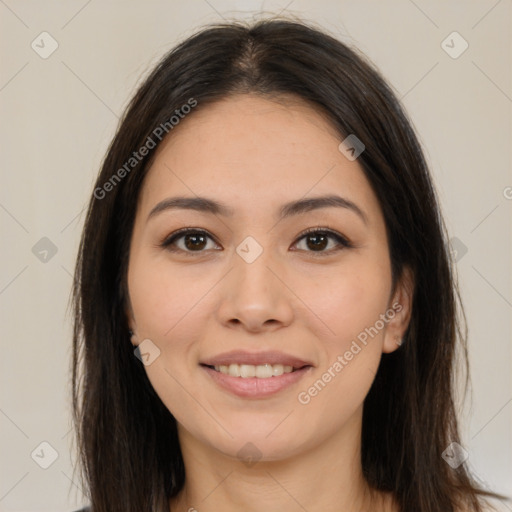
x,y
137,156
455,455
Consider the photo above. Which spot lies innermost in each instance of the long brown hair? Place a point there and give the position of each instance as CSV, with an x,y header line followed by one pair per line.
x,y
127,439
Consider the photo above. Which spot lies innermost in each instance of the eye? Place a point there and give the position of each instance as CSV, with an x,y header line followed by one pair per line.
x,y
318,238
194,240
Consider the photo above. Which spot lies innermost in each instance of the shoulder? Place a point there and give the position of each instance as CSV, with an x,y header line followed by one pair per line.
x,y
85,509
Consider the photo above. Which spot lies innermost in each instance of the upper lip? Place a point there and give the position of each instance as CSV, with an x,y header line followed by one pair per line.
x,y
256,358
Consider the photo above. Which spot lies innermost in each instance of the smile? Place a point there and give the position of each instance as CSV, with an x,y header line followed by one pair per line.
x,y
255,381
261,371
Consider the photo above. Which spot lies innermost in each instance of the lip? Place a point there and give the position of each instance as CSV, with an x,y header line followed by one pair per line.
x,y
256,358
254,387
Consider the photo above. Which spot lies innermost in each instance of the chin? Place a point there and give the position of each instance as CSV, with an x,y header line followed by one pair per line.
x,y
264,441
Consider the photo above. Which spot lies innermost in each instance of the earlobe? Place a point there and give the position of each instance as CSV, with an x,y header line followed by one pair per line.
x,y
133,338
131,323
400,311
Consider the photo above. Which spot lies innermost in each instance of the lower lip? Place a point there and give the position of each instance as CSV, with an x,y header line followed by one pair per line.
x,y
254,387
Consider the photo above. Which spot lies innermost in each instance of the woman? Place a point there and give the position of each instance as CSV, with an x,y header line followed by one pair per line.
x,y
264,304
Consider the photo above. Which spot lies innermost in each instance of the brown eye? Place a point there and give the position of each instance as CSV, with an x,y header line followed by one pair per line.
x,y
193,240
316,240
189,241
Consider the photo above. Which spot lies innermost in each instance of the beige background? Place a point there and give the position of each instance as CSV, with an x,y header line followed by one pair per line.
x,y
58,115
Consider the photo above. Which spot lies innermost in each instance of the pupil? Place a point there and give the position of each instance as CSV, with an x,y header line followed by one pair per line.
x,y
194,244
316,244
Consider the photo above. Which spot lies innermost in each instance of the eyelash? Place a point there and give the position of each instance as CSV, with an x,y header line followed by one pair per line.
x,y
342,242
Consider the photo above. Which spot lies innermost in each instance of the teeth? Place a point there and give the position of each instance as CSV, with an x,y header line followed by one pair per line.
x,y
262,371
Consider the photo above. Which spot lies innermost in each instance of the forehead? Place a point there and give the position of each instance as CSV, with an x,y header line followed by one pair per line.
x,y
246,124
251,150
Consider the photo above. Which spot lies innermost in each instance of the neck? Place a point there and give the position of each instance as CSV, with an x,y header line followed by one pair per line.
x,y
326,478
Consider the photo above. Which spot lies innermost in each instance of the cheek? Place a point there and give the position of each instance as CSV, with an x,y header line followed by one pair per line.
x,y
350,307
163,306
351,350
160,296
349,302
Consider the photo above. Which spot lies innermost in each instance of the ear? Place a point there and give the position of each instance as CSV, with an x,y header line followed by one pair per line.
x,y
133,337
130,320
399,312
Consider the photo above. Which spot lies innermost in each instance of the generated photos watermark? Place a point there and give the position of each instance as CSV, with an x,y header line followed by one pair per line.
x,y
304,397
137,156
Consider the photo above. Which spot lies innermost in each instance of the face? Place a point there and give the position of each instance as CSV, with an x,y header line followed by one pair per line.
x,y
245,288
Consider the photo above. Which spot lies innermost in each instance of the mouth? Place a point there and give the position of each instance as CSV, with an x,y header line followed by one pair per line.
x,y
255,374
260,371
255,381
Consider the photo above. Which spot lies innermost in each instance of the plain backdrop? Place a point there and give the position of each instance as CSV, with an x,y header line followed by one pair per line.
x,y
68,70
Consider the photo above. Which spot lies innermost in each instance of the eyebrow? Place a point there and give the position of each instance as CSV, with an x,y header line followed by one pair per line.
x,y
206,205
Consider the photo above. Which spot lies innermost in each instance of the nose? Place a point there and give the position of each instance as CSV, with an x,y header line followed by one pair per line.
x,y
255,296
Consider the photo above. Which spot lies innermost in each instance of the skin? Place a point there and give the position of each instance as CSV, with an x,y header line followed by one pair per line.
x,y
254,155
